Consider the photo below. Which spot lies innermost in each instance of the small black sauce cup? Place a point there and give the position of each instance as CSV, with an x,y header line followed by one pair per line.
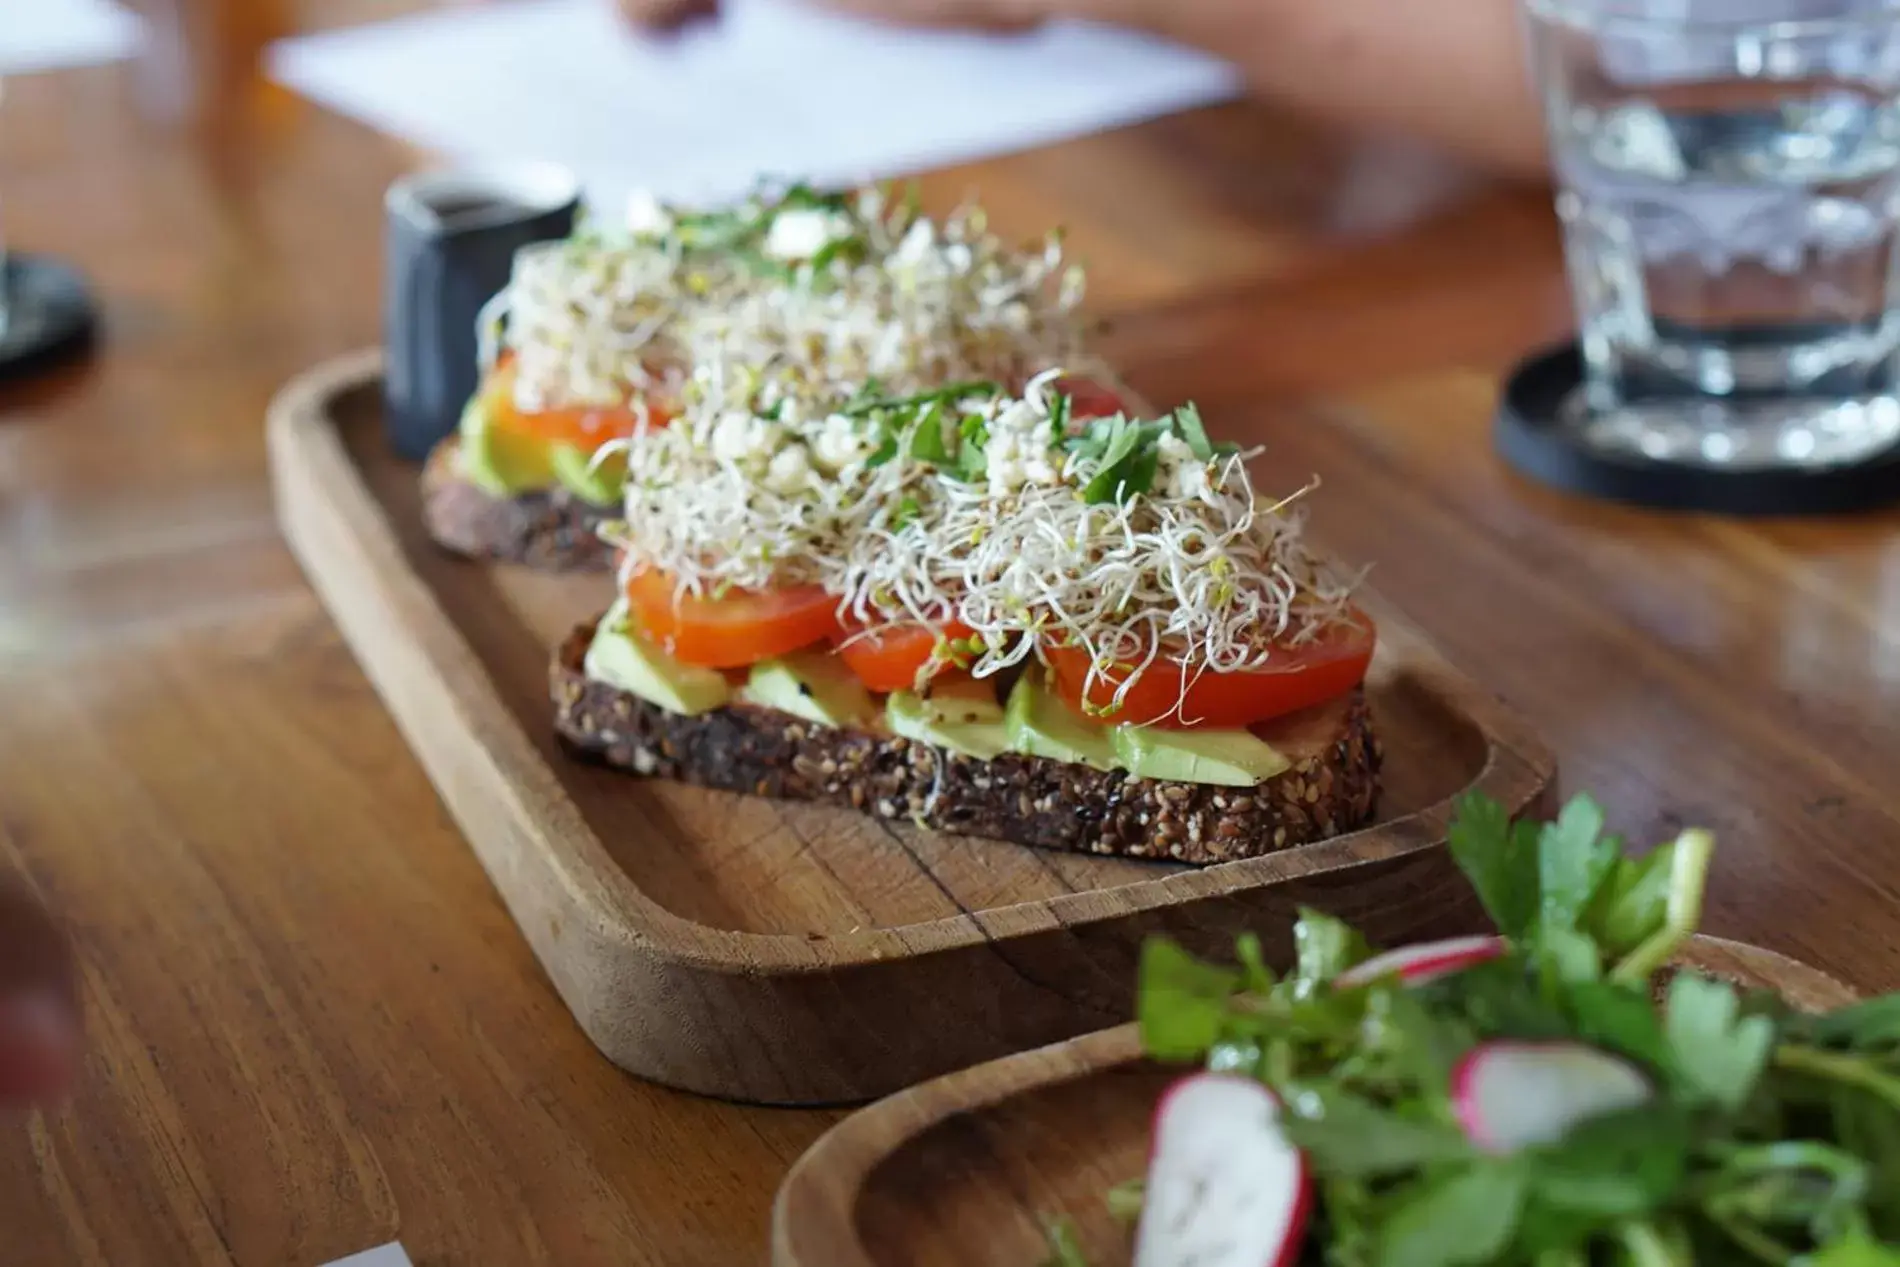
x,y
450,239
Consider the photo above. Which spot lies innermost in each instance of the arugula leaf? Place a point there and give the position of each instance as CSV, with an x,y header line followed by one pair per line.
x,y
1345,1134
1465,1217
1718,1057
1500,860
1324,947
1181,1005
1574,858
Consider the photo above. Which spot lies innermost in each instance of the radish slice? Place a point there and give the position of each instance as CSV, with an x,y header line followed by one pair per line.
x,y
1428,961
1225,1188
1512,1095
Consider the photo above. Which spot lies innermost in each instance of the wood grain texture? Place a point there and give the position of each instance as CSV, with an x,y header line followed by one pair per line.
x,y
791,952
314,1027
963,1171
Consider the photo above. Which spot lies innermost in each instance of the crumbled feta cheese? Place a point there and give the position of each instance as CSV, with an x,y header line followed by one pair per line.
x,y
1179,475
919,241
646,217
1017,450
790,471
841,442
744,439
802,232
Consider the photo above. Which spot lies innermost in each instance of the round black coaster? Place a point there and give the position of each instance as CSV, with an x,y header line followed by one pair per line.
x,y
49,315
1534,438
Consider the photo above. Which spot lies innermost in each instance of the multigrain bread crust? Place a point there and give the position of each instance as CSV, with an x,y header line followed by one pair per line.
x,y
553,531
1332,786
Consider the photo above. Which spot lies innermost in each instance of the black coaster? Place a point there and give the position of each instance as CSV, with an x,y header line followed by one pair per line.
x,y
49,315
1531,437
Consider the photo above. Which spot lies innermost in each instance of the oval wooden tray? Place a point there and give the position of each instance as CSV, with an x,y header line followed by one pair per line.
x,y
962,1171
792,953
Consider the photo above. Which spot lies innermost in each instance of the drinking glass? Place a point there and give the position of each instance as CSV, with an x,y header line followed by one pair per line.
x,y
1729,185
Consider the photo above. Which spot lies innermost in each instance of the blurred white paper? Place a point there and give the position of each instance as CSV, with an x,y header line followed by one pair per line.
x,y
773,88
390,1255
53,34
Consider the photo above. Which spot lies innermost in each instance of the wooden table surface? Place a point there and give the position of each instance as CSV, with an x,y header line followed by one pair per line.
x,y
312,1026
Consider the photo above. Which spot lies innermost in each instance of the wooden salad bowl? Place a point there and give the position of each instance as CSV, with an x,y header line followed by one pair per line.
x,y
966,1170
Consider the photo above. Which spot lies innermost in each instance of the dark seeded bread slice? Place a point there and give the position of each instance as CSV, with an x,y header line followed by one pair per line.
x,y
553,530
1331,788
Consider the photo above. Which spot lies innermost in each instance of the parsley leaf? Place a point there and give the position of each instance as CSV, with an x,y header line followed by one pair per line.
x,y
1346,1134
1859,1026
1324,947
1574,858
1718,1056
1465,1217
1621,1019
1500,860
1182,1004
1620,1165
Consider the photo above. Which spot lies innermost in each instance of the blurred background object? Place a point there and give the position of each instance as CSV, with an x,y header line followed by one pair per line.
x,y
777,87
1730,193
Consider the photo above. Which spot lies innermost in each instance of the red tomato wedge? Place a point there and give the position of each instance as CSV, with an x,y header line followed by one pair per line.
x,y
586,427
1296,678
889,658
1090,399
736,629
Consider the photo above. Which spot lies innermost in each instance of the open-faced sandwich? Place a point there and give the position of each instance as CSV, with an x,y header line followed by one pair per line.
x,y
1022,615
596,338
1552,1097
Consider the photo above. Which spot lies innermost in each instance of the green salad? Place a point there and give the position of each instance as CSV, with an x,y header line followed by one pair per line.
x,y
1549,1097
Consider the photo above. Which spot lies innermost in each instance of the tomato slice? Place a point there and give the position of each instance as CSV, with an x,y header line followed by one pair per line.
x,y
1295,678
891,657
1090,399
586,427
738,628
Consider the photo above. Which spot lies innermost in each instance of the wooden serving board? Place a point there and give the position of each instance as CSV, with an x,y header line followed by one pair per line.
x,y
963,1171
791,953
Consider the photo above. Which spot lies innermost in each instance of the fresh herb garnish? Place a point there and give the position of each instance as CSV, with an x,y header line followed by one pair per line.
x,y
1761,1135
1129,451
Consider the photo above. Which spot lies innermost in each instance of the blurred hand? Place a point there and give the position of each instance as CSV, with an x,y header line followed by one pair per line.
x,y
39,1003
994,15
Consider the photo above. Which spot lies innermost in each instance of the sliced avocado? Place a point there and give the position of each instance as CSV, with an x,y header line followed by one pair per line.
x,y
1041,725
499,461
620,657
597,483
931,721
1230,758
961,701
814,685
